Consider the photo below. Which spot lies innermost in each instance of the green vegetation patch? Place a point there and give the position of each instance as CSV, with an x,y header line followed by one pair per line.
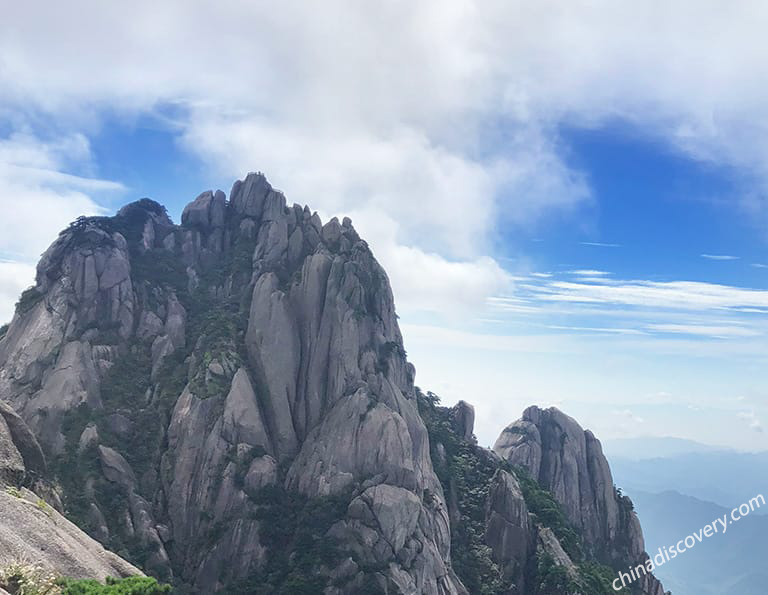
x,y
467,474
549,513
28,300
135,585
294,530
464,471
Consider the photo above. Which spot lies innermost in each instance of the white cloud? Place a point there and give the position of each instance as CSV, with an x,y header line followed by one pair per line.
x,y
684,295
458,92
612,315
40,199
752,420
441,116
589,273
425,281
720,332
446,120
719,257
15,277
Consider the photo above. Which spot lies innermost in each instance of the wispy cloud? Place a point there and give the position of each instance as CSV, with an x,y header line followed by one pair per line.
x,y
723,332
628,414
685,295
719,257
600,244
590,329
36,174
589,273
659,315
759,265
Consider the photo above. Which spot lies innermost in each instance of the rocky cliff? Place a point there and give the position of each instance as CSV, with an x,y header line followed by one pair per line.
x,y
31,529
189,382
228,404
568,462
538,514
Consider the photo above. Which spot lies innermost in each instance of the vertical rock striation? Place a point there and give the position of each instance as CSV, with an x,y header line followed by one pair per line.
x,y
569,462
227,403
181,371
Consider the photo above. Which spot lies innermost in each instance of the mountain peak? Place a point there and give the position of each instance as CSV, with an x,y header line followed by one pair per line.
x,y
227,402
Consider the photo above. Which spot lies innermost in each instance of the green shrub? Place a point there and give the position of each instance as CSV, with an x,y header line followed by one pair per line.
x,y
28,300
596,579
468,474
549,513
135,585
159,267
553,579
293,530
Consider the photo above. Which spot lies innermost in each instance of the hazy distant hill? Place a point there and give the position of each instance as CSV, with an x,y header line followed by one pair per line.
x,y
652,447
723,564
726,478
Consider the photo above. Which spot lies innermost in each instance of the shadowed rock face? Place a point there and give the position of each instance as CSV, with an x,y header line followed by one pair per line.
x,y
509,531
569,462
185,369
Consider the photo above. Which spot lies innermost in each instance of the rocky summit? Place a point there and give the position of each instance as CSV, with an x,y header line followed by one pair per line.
x,y
227,404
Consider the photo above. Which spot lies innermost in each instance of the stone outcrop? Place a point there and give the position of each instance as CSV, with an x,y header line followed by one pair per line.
x,y
464,420
568,461
510,532
31,529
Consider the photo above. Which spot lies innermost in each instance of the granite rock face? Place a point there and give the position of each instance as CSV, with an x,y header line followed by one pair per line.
x,y
205,394
509,532
263,352
32,530
568,461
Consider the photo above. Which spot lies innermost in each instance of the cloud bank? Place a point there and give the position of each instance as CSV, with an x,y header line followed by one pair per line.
x,y
441,114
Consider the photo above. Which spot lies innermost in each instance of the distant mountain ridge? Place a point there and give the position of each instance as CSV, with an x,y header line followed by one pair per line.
x,y
726,564
726,478
653,447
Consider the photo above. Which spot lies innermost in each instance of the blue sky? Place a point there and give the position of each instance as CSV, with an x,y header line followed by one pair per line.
x,y
570,200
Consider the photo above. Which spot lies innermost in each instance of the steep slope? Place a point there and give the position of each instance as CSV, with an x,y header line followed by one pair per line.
x,y
189,382
511,532
568,462
30,528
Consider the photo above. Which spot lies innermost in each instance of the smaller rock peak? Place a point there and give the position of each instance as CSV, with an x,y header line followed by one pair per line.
x,y
464,420
143,204
536,415
248,195
332,231
208,210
